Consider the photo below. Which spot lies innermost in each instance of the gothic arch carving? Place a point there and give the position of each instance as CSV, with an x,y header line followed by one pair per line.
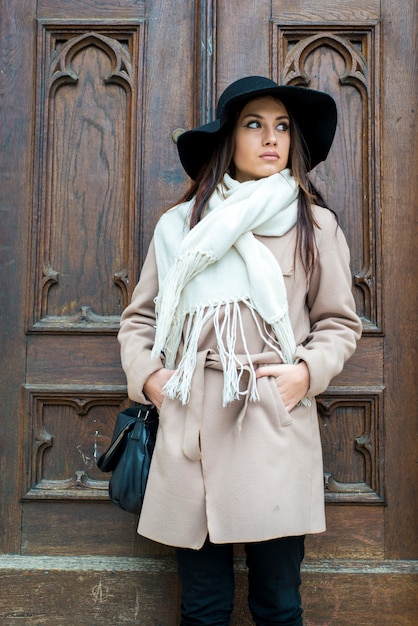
x,y
344,60
352,438
61,65
356,68
86,178
82,418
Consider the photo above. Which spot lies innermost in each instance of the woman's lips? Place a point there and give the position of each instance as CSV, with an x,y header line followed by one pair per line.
x,y
269,156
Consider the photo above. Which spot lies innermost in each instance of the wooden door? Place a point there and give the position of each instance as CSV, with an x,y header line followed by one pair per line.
x,y
93,94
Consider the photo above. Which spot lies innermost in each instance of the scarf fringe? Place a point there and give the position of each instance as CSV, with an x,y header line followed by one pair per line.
x,y
167,334
233,368
179,384
284,334
227,330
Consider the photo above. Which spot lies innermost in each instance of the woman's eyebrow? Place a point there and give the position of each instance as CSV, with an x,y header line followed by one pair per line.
x,y
257,115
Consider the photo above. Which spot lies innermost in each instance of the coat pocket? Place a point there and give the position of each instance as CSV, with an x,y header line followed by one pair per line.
x,y
268,392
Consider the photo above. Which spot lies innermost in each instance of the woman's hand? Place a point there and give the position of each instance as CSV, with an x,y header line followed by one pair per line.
x,y
292,381
153,387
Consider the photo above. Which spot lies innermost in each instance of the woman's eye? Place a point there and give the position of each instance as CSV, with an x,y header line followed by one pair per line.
x,y
282,126
253,124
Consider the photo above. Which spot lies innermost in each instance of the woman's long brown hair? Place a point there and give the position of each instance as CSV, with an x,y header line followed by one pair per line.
x,y
221,161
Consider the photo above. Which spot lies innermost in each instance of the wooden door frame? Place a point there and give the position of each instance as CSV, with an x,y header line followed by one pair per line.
x,y
354,584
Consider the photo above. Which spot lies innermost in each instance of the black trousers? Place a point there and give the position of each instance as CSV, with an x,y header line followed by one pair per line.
x,y
207,578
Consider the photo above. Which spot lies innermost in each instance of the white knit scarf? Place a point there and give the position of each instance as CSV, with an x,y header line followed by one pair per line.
x,y
206,274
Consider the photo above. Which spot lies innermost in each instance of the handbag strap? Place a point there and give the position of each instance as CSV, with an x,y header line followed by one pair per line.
x,y
144,412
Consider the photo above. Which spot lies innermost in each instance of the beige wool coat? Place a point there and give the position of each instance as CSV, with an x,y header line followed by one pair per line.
x,y
264,479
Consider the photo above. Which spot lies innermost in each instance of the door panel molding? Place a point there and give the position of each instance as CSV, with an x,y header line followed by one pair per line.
x,y
66,429
345,61
351,425
87,174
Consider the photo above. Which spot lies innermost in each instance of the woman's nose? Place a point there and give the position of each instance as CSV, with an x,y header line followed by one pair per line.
x,y
270,137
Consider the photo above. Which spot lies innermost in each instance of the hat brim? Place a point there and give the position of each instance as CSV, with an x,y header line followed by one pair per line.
x,y
314,111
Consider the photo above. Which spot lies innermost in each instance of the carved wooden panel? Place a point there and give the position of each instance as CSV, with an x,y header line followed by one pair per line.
x,y
66,429
86,177
352,441
344,60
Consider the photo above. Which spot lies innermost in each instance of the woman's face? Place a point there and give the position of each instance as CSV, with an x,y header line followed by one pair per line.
x,y
262,139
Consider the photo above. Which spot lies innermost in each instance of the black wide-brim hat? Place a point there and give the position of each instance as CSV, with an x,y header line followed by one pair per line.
x,y
315,113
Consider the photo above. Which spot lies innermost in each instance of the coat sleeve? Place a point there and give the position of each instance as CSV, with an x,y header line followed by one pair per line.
x,y
335,325
137,331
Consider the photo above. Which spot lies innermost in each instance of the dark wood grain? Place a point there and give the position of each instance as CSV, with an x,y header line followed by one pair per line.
x,y
145,592
16,163
400,158
91,92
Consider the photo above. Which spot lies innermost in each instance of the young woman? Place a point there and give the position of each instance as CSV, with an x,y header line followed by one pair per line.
x,y
242,315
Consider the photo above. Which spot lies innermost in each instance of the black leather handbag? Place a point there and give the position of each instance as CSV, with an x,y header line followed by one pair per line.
x,y
129,456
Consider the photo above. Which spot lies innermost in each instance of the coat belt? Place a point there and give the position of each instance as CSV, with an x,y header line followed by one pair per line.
x,y
208,358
